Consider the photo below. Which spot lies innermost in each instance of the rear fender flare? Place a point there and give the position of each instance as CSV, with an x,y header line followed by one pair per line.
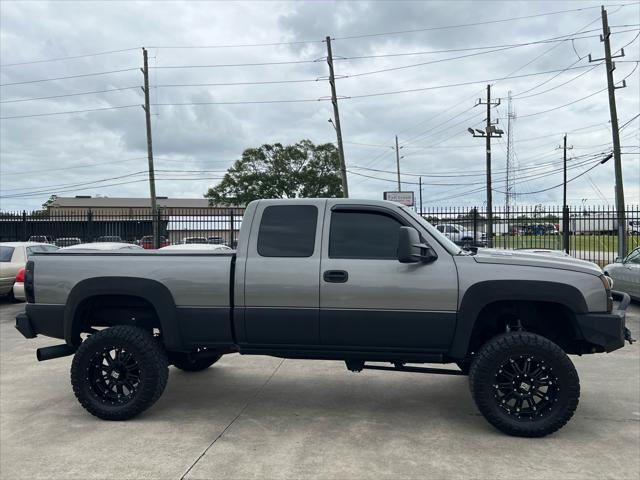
x,y
152,291
481,294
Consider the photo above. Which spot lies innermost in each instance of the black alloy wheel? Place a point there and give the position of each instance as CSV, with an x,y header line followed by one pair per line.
x,y
119,372
524,384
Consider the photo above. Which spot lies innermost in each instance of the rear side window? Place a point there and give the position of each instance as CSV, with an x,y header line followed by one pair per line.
x,y
288,231
369,235
6,253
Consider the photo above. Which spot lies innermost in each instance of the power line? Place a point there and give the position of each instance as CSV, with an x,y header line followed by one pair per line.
x,y
560,38
464,25
81,75
575,101
628,122
459,84
560,184
237,45
69,58
70,94
63,185
471,173
5,174
68,112
559,85
255,64
35,194
225,84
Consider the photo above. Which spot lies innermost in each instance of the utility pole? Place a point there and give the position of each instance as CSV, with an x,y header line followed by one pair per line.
x,y
152,179
398,164
336,114
615,133
490,132
565,207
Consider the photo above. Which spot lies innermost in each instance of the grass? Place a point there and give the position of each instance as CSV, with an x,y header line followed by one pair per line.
x,y
590,243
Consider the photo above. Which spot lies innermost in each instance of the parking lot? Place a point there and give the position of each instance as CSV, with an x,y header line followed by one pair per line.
x,y
262,417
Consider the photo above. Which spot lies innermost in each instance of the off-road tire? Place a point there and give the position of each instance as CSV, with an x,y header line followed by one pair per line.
x,y
184,362
151,369
495,355
464,366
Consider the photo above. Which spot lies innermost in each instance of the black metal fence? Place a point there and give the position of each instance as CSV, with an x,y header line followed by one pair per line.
x,y
210,225
592,230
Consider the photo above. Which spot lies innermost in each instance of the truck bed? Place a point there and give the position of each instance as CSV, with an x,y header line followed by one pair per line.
x,y
195,279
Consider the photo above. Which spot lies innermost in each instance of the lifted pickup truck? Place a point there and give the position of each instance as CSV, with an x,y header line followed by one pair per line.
x,y
336,279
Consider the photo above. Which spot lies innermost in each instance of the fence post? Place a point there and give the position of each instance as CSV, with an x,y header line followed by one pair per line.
x,y
231,228
475,225
565,228
157,220
89,226
24,226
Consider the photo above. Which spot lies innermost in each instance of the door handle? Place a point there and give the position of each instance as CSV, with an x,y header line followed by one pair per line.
x,y
335,276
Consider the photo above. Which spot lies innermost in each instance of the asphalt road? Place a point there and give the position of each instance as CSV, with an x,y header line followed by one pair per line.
x,y
261,417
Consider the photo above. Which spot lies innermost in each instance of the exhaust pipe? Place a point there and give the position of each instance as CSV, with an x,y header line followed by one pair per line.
x,y
56,351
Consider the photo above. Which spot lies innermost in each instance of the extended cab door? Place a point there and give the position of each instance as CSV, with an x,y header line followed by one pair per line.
x,y
282,273
368,298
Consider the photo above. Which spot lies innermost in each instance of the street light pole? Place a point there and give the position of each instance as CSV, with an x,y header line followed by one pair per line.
x,y
490,132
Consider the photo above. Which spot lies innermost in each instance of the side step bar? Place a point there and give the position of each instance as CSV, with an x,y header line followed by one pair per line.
x,y
56,351
358,366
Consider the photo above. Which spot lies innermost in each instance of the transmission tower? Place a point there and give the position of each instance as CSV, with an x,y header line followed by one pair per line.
x,y
510,178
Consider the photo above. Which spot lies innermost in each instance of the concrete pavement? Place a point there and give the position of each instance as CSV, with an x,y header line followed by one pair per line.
x,y
262,417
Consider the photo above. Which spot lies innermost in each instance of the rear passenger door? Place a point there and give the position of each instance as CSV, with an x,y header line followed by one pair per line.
x,y
282,274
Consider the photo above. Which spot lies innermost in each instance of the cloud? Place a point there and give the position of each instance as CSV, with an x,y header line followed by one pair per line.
x,y
431,124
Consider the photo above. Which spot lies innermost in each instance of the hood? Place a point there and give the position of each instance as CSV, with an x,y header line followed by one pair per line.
x,y
529,259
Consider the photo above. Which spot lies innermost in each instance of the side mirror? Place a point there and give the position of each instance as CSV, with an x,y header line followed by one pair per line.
x,y
618,260
410,250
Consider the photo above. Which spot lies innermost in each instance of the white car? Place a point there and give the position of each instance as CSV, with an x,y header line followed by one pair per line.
x,y
625,273
192,247
13,257
461,236
104,246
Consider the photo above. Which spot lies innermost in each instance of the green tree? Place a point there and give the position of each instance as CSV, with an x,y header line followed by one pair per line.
x,y
277,171
51,200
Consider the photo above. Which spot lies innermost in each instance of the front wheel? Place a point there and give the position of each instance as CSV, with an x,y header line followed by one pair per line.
x,y
119,372
524,384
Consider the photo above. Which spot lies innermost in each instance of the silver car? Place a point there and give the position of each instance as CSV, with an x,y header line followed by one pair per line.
x,y
102,246
14,256
626,273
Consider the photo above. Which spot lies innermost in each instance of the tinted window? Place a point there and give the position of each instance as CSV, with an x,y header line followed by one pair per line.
x,y
363,235
634,257
288,231
6,253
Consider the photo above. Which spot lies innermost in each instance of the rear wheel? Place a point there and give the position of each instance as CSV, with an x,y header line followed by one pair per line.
x,y
119,372
524,384
188,363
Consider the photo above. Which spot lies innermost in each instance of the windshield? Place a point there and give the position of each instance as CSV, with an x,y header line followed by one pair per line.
x,y
441,239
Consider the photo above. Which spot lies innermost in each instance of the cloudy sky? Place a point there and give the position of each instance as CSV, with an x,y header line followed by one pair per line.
x,y
414,69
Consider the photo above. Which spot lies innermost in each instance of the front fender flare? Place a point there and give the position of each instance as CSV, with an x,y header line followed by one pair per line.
x,y
481,294
152,291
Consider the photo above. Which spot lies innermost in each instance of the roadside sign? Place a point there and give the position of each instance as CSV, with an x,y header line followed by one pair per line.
x,y
405,198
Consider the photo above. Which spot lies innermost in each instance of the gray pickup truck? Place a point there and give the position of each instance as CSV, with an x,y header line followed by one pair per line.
x,y
330,279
